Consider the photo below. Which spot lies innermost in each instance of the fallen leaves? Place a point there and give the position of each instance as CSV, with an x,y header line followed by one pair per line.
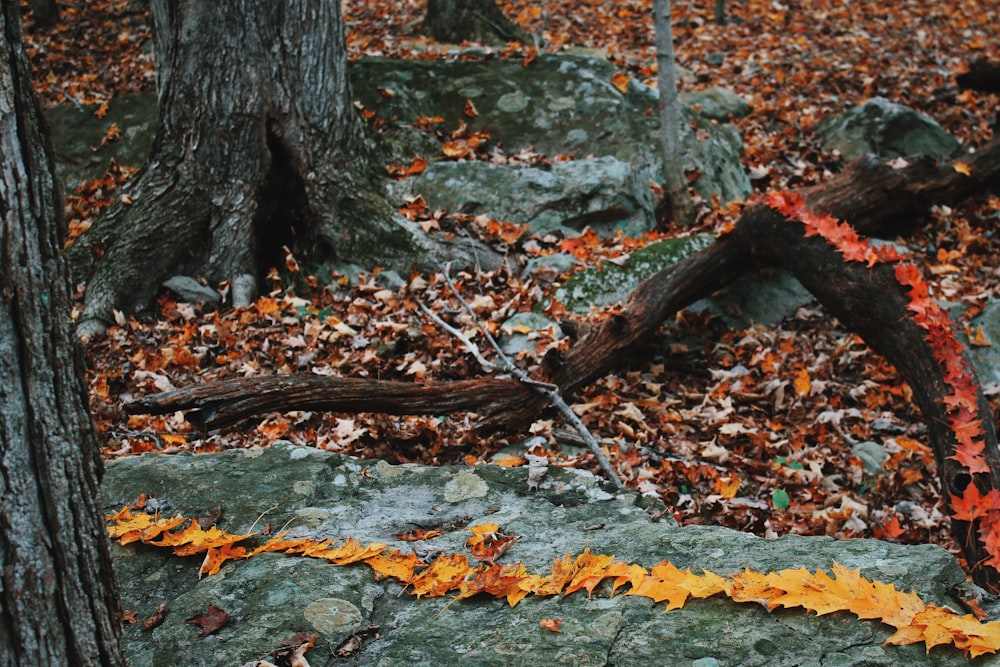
x,y
963,402
843,590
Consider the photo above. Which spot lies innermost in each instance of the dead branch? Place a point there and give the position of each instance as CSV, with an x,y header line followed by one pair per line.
x,y
877,198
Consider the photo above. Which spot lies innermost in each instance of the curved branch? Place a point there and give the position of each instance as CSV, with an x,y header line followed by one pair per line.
x,y
868,300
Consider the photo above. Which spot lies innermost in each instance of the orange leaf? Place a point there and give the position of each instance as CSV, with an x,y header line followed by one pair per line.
x,y
727,487
961,168
802,383
621,81
446,573
394,564
551,624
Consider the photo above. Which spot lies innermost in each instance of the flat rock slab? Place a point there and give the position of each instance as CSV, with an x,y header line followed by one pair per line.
x,y
324,495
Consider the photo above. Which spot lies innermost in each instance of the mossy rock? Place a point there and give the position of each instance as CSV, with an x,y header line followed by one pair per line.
x,y
609,283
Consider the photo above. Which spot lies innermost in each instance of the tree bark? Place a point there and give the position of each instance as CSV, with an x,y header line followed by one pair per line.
x,y
680,209
45,13
868,300
983,75
456,21
259,147
58,601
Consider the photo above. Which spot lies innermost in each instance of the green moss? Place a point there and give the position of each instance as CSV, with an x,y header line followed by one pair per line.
x,y
595,287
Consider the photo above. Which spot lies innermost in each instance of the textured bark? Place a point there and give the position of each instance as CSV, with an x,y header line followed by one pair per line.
x,y
867,300
58,602
983,75
228,402
259,147
455,21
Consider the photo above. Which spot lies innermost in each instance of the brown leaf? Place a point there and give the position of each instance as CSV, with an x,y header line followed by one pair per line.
x,y
211,621
156,619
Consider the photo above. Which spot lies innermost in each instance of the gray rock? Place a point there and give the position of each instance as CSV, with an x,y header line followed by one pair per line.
x,y
603,193
716,103
550,266
192,291
323,495
987,359
559,104
77,134
872,455
766,297
886,129
514,340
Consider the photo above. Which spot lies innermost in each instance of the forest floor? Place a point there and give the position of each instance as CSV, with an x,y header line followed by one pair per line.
x,y
751,429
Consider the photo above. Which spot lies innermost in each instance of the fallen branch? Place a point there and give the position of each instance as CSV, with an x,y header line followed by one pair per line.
x,y
874,197
506,365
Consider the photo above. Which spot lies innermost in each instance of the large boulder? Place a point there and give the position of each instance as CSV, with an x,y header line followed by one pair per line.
x,y
558,104
603,193
84,137
716,103
318,494
885,129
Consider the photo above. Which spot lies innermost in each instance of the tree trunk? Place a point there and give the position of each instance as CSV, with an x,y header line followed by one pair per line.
x,y
58,601
259,147
720,12
680,208
456,21
45,13
982,75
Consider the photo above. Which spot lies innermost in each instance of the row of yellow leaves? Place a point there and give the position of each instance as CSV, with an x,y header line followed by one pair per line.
x,y
817,591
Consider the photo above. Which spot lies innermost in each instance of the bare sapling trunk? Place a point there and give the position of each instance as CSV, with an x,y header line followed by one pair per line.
x,y
680,206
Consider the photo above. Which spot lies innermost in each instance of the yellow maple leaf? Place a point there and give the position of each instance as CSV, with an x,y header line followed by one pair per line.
x,y
562,573
663,583
727,487
394,564
496,580
216,557
626,573
750,586
194,540
802,383
591,570
127,527
445,574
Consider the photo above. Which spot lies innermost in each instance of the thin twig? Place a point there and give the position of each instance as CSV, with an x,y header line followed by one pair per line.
x,y
506,364
486,364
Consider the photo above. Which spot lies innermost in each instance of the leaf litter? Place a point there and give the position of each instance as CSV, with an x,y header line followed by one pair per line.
x,y
752,429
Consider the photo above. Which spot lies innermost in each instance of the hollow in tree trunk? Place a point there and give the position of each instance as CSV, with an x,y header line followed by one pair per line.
x,y
454,21
259,148
58,602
